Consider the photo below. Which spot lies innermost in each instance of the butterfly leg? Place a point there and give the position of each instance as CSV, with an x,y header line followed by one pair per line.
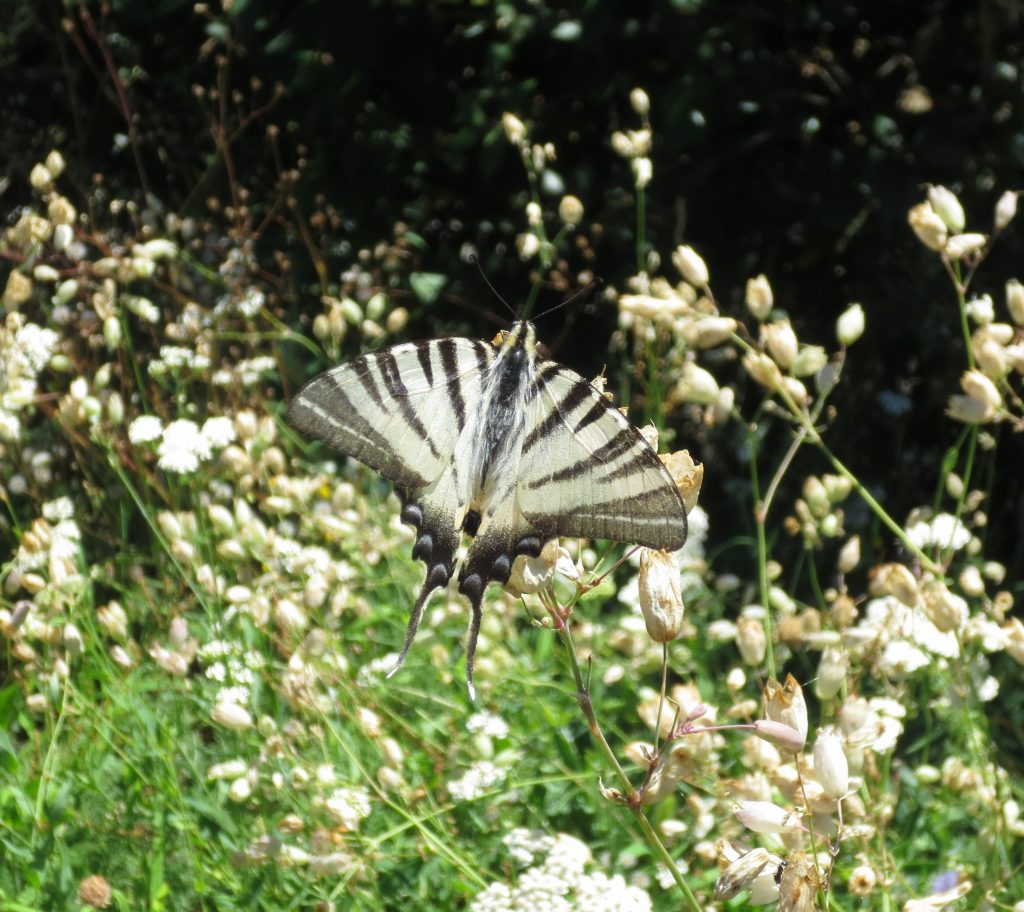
x,y
471,638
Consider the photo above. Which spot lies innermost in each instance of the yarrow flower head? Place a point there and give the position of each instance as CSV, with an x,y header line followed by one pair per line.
x,y
182,447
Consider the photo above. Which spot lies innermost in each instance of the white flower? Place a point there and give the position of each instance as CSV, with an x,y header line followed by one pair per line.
x,y
145,429
487,723
182,447
349,806
218,432
476,781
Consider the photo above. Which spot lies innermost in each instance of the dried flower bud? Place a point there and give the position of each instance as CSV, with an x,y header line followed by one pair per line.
x,y
743,871
660,598
687,475
831,767
962,245
640,102
785,703
94,890
515,129
1006,209
570,210
850,325
863,880
765,817
946,610
781,342
947,207
751,640
895,580
759,298
691,267
1015,301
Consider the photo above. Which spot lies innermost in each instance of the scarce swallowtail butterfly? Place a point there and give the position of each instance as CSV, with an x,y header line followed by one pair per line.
x,y
495,442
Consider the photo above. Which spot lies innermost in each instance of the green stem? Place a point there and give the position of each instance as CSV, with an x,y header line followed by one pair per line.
x,y
760,513
641,230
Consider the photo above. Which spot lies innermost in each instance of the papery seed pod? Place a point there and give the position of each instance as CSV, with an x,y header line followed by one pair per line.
x,y
963,245
766,817
850,325
690,265
1006,209
895,580
1015,301
831,767
759,297
743,871
946,610
661,601
751,640
929,228
785,703
781,342
947,207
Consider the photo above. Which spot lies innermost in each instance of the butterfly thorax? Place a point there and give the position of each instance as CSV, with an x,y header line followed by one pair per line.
x,y
498,432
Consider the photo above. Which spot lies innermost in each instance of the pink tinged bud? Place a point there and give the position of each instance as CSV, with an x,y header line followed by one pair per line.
x,y
947,207
780,734
785,703
660,599
929,228
850,325
690,265
765,817
831,767
1006,209
963,245
759,297
1015,301
231,715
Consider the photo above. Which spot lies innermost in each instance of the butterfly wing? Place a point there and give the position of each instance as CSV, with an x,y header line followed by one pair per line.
x,y
402,411
586,472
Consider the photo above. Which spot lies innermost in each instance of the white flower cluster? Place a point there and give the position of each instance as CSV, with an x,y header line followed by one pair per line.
x,y
559,882
183,445
25,349
477,781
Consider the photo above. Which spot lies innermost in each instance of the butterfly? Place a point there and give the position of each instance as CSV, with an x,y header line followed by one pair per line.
x,y
495,442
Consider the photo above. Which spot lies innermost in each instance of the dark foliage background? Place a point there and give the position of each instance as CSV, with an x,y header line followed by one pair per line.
x,y
784,144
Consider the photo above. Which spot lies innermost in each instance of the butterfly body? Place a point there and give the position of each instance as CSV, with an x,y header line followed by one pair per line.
x,y
497,443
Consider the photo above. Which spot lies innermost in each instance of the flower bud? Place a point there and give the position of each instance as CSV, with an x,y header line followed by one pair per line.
x,y
710,331
515,129
831,767
850,325
640,102
1006,209
1015,301
229,714
981,310
643,171
779,734
690,265
781,342
809,360
765,817
623,145
929,228
835,661
570,210
971,582
947,207
962,245
759,298
660,598
977,386
696,385
849,555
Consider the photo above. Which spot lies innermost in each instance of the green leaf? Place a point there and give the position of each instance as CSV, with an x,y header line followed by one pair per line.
x,y
427,285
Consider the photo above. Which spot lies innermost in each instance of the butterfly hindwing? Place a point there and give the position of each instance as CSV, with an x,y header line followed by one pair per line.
x,y
587,472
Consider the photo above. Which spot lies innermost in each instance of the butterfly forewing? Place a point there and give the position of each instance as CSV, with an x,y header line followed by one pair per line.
x,y
399,410
497,443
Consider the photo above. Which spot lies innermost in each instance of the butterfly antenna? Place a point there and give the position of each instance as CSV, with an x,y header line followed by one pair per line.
x,y
472,257
582,294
